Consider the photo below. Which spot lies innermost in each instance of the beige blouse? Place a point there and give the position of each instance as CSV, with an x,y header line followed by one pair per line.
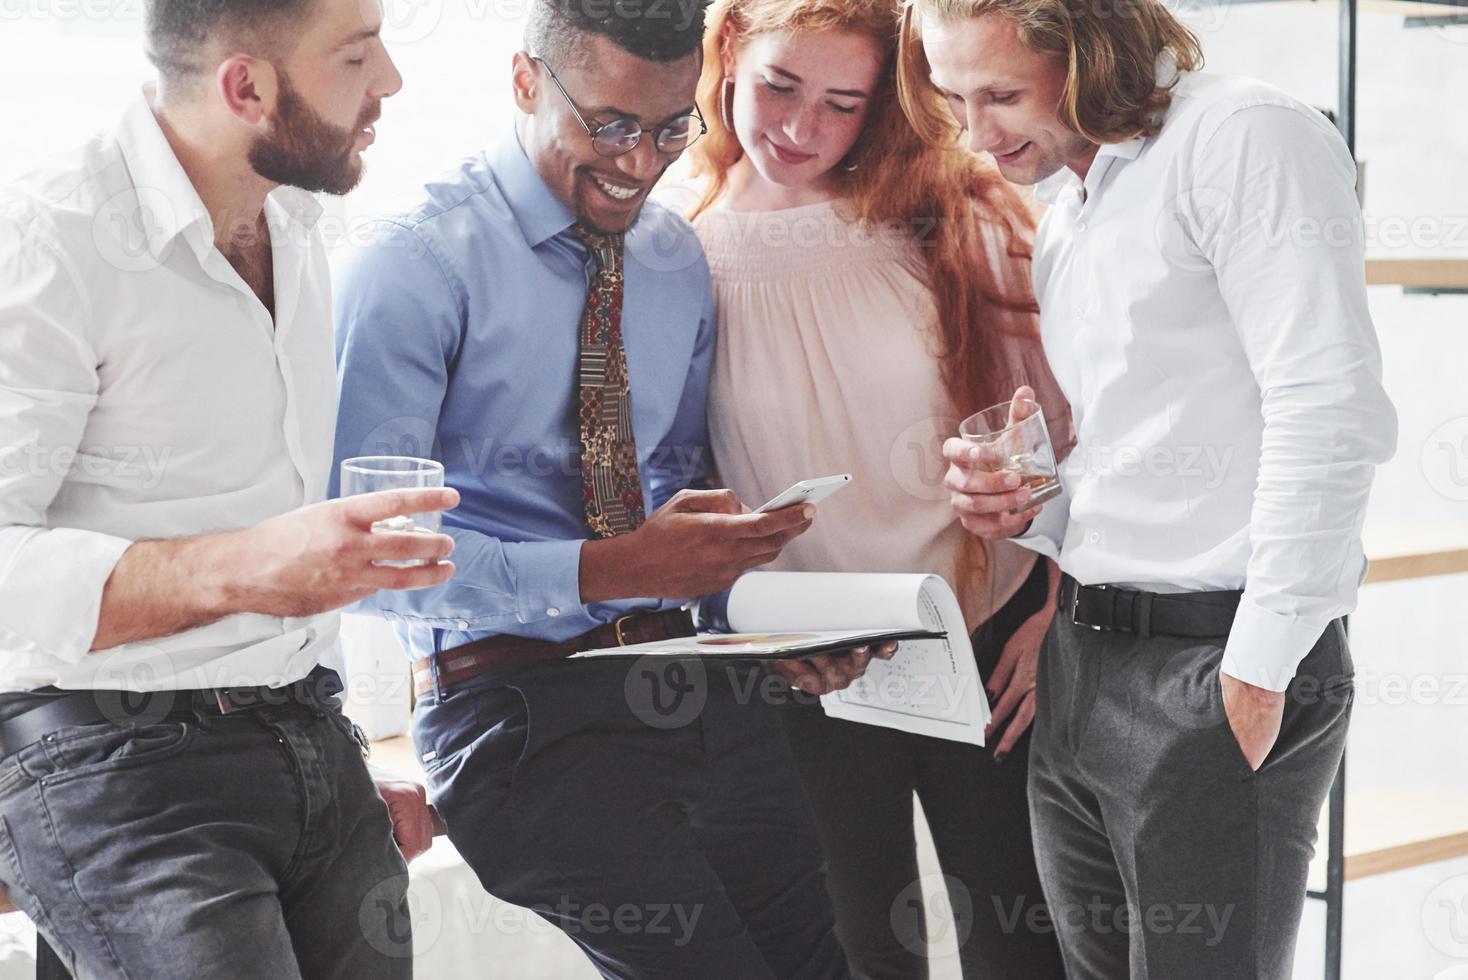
x,y
826,363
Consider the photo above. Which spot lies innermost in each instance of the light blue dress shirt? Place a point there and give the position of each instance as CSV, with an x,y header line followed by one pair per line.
x,y
457,339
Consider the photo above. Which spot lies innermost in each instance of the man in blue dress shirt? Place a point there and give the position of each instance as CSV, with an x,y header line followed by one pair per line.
x,y
654,814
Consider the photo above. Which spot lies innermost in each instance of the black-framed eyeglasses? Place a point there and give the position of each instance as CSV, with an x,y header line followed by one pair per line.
x,y
622,135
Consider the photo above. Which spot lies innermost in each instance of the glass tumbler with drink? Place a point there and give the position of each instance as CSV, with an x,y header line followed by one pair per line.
x,y
1012,437
369,474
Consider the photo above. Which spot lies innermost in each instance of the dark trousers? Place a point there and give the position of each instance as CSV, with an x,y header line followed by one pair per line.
x,y
1163,854
860,780
247,846
649,810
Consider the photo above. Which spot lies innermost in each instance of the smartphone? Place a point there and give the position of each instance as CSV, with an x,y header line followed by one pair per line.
x,y
806,492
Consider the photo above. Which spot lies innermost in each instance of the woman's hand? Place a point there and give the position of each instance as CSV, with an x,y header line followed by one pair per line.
x,y
1011,687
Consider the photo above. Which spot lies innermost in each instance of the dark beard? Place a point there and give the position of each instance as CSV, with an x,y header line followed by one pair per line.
x,y
303,150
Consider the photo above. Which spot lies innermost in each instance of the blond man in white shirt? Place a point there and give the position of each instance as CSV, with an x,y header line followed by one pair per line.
x,y
1225,380
180,795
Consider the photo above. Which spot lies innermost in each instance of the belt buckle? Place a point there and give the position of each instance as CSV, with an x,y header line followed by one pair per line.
x,y
233,700
1075,606
617,629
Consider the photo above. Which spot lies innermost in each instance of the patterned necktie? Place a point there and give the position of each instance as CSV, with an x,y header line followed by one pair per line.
x,y
611,487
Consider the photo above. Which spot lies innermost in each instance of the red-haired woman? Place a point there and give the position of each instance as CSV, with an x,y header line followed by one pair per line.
x,y
872,291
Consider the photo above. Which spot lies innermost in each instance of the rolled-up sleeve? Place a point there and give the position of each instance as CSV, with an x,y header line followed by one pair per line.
x,y
51,579
1289,256
399,323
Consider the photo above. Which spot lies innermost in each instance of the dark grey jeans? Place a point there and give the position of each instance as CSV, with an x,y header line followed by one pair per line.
x,y
248,846
1163,855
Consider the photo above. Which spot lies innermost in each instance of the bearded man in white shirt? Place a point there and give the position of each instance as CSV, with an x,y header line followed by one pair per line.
x,y
180,794
1225,379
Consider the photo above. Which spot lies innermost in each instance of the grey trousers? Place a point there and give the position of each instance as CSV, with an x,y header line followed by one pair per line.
x,y
1162,854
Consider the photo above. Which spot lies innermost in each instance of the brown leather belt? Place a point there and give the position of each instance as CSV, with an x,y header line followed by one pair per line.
x,y
503,652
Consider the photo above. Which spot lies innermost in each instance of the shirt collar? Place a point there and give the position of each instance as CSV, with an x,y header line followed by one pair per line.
x,y
539,213
168,204
299,205
1048,190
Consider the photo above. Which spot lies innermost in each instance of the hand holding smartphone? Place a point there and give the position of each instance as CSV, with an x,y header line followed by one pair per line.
x,y
805,492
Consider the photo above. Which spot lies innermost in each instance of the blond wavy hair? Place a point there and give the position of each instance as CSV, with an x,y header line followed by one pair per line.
x,y
1110,50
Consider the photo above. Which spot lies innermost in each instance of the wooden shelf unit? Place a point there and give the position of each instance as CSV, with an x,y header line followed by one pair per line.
x,y
1399,552
1421,274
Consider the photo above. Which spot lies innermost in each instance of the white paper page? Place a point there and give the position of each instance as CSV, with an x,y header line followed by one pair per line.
x,y
931,687
770,602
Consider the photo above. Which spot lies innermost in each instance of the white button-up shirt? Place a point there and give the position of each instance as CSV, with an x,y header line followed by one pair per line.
x,y
146,393
1203,306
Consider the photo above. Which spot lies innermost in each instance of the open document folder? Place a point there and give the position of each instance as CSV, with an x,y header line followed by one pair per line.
x,y
931,687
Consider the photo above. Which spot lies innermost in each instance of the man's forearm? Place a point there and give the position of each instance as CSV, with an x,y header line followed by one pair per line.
x,y
164,587
607,572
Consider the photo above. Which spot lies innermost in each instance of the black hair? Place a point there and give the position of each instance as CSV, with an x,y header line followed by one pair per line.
x,y
175,30
654,30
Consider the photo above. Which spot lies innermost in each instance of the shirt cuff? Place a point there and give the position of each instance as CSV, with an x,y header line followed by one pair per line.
x,y
1265,648
547,578
1046,532
51,589
711,613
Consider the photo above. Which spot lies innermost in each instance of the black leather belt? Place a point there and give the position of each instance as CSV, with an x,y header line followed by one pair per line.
x,y
68,710
1196,615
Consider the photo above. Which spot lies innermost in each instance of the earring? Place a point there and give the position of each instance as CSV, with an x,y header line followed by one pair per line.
x,y
850,166
726,103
